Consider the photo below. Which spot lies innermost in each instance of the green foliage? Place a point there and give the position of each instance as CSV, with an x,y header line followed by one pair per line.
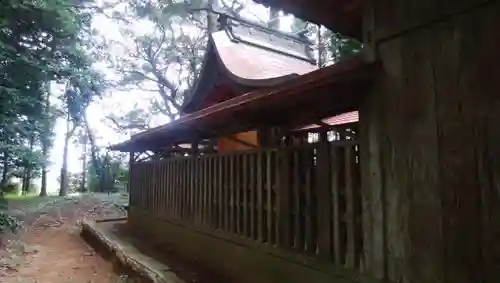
x,y
112,177
8,223
10,188
41,42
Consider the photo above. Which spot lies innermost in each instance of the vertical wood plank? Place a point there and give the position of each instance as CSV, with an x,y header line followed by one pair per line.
x,y
209,181
213,192
170,188
324,197
260,196
232,194
168,212
220,188
352,259
245,190
227,189
252,192
298,220
184,187
309,226
214,177
161,202
269,204
336,166
204,191
209,191
238,192
178,188
199,189
191,187
283,199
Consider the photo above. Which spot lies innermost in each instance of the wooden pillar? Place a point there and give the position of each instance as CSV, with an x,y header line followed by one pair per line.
x,y
430,142
131,161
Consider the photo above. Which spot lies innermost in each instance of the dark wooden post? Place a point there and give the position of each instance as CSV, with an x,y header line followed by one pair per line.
x,y
323,172
430,142
130,189
284,237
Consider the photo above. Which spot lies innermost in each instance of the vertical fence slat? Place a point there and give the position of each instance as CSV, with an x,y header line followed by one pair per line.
x,y
227,189
306,197
260,197
338,249
204,185
269,188
161,179
198,190
352,194
245,189
214,195
175,187
232,212
309,233
252,192
192,163
211,184
183,187
283,199
238,187
220,188
324,198
298,225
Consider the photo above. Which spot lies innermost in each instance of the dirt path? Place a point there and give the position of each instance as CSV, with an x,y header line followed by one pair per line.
x,y
50,250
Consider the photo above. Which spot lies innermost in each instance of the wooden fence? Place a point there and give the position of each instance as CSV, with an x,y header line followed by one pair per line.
x,y
304,198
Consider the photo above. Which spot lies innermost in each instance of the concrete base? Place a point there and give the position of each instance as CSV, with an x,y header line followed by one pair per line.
x,y
148,268
232,258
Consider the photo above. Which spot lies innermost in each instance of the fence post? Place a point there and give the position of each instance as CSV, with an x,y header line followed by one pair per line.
x,y
283,198
323,196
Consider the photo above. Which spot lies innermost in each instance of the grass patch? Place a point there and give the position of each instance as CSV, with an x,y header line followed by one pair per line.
x,y
16,197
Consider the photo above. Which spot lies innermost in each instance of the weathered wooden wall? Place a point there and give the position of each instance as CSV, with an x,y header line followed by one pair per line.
x,y
226,145
430,141
303,199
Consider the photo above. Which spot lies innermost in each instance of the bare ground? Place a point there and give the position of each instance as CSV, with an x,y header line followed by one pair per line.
x,y
48,249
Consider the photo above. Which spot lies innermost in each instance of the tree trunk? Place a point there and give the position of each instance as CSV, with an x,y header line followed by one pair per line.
x,y
5,172
28,170
63,191
43,189
320,47
93,152
84,164
45,141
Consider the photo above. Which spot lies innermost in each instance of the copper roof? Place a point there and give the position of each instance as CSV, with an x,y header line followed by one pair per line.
x,y
248,56
253,64
329,91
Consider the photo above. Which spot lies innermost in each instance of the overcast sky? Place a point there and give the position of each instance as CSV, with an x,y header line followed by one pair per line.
x,y
117,102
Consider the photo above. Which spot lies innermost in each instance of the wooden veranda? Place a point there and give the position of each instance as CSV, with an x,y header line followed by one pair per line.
x,y
297,196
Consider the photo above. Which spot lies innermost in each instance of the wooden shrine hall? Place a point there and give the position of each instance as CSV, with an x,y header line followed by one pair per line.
x,y
409,193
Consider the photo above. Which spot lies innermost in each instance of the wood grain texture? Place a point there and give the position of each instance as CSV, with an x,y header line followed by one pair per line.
x,y
427,137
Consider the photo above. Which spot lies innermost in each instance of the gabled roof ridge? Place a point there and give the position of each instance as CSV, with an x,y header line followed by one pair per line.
x,y
288,35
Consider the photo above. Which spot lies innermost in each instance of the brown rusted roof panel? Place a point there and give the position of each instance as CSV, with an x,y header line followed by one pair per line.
x,y
257,66
327,91
249,56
